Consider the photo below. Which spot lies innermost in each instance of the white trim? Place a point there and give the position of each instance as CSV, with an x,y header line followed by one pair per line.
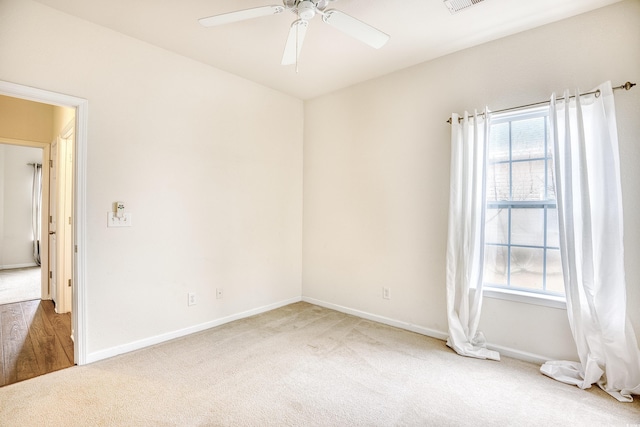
x,y
13,266
23,142
147,342
68,129
524,297
81,106
38,95
519,354
504,351
79,302
380,319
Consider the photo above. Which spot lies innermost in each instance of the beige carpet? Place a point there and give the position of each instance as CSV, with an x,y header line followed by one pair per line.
x,y
20,284
304,365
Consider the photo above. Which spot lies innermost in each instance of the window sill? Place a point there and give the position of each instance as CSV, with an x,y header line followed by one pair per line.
x,y
525,297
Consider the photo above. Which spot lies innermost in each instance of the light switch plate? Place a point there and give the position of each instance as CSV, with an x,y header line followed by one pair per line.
x,y
114,221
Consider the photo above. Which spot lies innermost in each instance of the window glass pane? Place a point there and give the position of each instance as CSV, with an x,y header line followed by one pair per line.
x,y
497,226
551,181
527,268
495,265
555,281
521,226
527,227
498,182
553,239
499,143
527,138
528,181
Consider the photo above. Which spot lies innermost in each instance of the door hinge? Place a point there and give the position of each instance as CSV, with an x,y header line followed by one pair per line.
x,y
69,220
75,248
50,274
50,219
50,163
69,282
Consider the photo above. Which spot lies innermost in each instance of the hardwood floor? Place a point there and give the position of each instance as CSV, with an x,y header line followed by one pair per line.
x,y
35,340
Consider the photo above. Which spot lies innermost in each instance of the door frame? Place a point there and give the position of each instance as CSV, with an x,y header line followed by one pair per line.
x,y
81,106
64,228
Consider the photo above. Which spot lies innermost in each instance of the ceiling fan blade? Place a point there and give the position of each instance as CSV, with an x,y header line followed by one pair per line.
x,y
240,15
294,42
355,28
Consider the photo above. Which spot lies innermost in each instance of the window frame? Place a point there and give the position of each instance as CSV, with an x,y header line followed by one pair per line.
x,y
509,292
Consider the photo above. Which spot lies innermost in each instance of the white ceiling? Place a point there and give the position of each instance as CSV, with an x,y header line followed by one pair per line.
x,y
420,30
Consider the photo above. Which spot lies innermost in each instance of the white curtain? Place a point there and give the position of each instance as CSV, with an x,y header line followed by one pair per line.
x,y
589,197
465,245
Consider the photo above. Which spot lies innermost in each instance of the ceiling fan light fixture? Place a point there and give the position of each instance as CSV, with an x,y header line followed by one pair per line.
x,y
455,6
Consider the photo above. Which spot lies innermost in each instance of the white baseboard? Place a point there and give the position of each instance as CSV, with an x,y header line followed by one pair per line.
x,y
147,342
519,354
504,351
13,266
380,319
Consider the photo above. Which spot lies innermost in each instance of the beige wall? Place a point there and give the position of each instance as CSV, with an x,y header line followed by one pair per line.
x,y
25,120
376,173
203,161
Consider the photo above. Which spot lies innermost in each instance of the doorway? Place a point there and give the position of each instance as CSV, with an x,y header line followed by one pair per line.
x,y
23,202
76,236
20,221
35,318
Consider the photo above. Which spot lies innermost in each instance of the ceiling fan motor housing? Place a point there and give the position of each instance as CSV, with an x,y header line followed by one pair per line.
x,y
306,10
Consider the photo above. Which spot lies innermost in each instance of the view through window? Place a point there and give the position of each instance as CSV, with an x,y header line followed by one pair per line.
x,y
521,229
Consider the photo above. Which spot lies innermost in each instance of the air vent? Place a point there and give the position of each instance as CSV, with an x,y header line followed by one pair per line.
x,y
455,6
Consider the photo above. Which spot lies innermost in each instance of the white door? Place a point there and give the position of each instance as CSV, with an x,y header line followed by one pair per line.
x,y
61,220
53,215
64,229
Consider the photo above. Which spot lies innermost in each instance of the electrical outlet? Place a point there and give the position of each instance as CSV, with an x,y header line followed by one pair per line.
x,y
219,293
386,293
192,298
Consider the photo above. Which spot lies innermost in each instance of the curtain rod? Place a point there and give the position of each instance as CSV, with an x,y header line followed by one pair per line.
x,y
626,86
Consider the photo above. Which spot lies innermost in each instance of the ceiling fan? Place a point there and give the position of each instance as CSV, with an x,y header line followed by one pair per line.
x,y
305,10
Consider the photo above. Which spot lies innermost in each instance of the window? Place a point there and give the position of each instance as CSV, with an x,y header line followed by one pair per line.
x,y
522,250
